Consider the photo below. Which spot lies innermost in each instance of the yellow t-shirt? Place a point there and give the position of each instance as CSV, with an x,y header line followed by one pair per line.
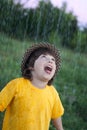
x,y
28,107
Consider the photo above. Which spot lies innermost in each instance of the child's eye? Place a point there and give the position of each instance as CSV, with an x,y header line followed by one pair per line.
x,y
43,56
53,59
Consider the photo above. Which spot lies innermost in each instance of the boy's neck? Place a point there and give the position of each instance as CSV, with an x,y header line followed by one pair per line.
x,y
39,84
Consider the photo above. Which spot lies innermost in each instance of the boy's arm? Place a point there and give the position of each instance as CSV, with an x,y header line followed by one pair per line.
x,y
6,94
58,123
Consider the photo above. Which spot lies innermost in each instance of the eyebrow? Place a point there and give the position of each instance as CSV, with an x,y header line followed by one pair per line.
x,y
49,54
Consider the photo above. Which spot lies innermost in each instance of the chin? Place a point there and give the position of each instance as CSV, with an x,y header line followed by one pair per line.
x,y
47,79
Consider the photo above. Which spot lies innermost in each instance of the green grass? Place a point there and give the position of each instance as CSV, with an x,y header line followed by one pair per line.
x,y
71,81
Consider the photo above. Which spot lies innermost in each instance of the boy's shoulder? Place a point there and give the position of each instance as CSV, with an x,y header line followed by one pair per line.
x,y
16,80
53,89
17,83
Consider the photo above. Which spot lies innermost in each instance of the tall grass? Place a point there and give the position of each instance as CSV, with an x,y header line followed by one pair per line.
x,y
71,81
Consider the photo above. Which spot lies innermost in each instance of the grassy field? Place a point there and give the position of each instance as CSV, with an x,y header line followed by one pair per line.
x,y
71,81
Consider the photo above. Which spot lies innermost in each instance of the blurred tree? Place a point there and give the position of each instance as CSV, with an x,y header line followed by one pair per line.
x,y
41,23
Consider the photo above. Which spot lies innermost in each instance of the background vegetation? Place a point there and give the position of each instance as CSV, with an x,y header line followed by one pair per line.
x,y
20,27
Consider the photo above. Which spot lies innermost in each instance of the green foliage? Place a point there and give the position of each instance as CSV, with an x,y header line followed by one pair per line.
x,y
45,22
70,82
40,23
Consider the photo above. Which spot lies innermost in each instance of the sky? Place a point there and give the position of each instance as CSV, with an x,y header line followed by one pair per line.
x,y
78,7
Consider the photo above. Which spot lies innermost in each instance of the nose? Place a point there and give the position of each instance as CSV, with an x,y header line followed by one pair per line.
x,y
49,60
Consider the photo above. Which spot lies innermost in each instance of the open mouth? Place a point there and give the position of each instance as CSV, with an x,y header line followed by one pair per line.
x,y
48,69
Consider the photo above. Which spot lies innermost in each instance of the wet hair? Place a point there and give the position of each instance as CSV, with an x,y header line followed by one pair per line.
x,y
31,60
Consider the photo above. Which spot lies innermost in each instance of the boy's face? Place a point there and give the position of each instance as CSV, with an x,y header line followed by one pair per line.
x,y
44,67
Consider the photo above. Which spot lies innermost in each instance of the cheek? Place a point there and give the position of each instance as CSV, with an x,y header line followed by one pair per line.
x,y
38,65
54,66
54,69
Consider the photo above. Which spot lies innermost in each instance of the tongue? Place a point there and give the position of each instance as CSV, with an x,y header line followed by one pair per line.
x,y
48,70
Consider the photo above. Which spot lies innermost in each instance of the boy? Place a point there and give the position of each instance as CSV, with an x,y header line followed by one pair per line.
x,y
31,101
